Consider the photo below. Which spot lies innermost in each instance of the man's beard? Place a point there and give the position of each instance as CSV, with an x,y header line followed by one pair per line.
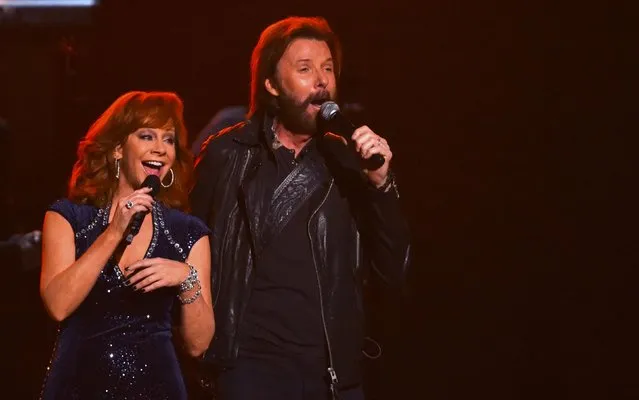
x,y
294,115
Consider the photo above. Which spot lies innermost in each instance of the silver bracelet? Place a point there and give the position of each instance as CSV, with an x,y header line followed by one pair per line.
x,y
390,182
190,281
192,298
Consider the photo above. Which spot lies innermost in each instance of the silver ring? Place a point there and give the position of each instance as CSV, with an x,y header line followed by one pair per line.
x,y
129,204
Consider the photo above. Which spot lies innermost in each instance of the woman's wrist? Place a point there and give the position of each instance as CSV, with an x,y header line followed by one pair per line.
x,y
112,235
190,289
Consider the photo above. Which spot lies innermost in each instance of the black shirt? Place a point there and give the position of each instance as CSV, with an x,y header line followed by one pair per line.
x,y
283,316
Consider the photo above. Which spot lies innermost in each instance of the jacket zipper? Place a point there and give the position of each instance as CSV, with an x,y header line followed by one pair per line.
x,y
233,212
331,370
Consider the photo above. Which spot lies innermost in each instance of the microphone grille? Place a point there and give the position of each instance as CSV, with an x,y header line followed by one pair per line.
x,y
153,182
328,109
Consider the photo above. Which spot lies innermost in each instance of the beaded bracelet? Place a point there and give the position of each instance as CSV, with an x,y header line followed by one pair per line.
x,y
190,281
191,299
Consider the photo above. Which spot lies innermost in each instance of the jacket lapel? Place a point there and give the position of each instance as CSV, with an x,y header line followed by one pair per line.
x,y
292,193
252,194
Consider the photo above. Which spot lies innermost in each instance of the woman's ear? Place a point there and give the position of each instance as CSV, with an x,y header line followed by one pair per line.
x,y
117,152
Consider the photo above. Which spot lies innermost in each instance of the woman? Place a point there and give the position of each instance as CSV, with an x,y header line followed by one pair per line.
x,y
115,301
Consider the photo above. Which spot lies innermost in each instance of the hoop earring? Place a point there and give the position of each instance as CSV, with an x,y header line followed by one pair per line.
x,y
172,179
117,168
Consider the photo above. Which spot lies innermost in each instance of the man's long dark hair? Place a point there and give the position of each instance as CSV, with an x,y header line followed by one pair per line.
x,y
273,42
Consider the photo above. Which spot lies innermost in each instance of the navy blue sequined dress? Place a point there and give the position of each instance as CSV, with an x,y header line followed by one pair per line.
x,y
118,343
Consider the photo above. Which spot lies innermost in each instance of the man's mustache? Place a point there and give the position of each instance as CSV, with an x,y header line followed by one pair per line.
x,y
317,98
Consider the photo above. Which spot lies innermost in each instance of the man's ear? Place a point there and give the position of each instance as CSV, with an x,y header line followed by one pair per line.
x,y
271,87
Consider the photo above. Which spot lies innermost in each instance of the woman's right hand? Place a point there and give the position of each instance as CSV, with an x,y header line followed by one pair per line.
x,y
140,200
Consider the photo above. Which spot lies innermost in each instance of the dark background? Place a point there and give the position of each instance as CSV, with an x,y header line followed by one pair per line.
x,y
510,126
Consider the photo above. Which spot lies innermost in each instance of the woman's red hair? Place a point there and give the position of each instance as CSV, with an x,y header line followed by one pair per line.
x,y
93,178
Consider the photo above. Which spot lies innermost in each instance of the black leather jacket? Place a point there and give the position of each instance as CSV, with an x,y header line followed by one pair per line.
x,y
352,225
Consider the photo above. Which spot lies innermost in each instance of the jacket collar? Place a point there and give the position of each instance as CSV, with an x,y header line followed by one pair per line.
x,y
259,129
255,130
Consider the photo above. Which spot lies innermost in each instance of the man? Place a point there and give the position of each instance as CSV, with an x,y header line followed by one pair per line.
x,y
295,220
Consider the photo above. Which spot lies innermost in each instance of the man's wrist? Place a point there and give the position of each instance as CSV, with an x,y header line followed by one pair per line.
x,y
387,184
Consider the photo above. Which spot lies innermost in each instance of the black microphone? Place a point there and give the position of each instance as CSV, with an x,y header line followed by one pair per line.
x,y
334,121
153,182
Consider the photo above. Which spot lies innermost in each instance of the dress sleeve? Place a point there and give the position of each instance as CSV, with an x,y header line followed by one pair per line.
x,y
67,209
197,229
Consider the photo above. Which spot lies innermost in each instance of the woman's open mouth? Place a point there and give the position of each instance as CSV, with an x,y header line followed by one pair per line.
x,y
152,167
